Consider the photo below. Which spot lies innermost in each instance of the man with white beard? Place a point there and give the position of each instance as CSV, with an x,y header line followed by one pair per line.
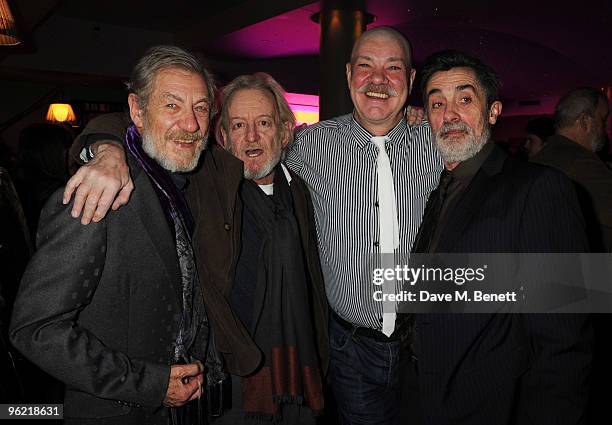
x,y
277,291
492,368
115,310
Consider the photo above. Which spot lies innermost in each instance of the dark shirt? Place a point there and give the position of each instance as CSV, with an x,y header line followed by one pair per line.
x,y
462,176
247,269
245,280
181,181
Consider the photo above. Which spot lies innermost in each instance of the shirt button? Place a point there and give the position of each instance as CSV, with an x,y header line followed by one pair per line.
x,y
376,243
376,204
227,226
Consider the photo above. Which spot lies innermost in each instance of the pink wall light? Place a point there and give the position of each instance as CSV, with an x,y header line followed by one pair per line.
x,y
305,107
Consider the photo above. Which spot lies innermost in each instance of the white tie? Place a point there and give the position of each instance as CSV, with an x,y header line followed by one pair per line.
x,y
389,227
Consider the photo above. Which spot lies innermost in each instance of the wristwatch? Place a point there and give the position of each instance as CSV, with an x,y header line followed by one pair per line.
x,y
86,154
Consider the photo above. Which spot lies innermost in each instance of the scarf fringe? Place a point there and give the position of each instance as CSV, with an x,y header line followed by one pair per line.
x,y
277,417
263,417
288,399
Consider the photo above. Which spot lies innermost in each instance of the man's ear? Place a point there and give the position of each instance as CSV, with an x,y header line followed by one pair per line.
x,y
411,79
136,112
223,140
348,73
287,131
585,121
495,111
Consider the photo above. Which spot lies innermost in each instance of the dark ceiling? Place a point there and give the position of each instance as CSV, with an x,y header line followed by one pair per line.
x,y
171,16
540,48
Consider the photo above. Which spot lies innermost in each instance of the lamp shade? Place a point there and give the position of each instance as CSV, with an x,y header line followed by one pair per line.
x,y
60,112
8,29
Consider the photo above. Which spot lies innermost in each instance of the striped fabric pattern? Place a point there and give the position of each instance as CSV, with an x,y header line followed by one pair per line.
x,y
337,161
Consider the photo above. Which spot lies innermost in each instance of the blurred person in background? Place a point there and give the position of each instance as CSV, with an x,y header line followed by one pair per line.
x,y
581,118
538,130
580,132
15,251
41,167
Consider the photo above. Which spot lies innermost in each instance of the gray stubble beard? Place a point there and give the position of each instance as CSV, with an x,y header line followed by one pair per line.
x,y
453,152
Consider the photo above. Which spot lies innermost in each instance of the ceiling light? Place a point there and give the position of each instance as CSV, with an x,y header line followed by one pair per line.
x,y
8,29
60,113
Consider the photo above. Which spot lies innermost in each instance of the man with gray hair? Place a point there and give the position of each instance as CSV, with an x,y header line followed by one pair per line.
x,y
278,291
115,310
580,125
492,367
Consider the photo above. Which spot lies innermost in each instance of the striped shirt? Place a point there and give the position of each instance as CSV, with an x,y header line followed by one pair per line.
x,y
337,161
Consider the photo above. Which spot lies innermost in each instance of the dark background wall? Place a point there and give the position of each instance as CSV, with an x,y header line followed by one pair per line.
x,y
85,49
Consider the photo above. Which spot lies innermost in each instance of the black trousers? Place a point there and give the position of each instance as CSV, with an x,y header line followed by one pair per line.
x,y
410,411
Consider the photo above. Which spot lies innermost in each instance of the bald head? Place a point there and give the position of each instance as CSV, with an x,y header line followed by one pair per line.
x,y
380,78
386,32
581,116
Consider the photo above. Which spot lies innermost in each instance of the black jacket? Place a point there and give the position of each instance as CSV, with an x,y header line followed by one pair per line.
x,y
502,368
98,305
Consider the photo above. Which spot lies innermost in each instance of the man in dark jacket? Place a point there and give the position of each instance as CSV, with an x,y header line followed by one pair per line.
x,y
490,368
115,309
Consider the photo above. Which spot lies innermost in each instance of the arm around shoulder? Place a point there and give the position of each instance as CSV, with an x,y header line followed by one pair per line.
x,y
105,181
103,127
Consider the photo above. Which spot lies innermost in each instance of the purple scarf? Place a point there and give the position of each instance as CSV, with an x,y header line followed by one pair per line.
x,y
194,323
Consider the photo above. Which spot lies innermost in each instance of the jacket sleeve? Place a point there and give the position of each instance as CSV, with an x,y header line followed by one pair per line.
x,y
555,389
107,126
60,282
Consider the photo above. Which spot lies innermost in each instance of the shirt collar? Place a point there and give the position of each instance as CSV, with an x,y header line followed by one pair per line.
x,y
180,180
286,171
269,188
362,137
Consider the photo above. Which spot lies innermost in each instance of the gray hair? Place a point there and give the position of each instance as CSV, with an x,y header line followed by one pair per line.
x,y
159,58
577,102
258,81
388,32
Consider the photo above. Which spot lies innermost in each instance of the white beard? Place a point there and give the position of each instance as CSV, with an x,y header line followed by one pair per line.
x,y
597,142
454,151
149,145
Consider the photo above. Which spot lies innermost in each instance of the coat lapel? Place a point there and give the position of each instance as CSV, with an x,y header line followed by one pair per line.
x,y
460,217
470,203
157,229
300,209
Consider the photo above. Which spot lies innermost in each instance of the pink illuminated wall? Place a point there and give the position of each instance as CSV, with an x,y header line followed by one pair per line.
x,y
305,107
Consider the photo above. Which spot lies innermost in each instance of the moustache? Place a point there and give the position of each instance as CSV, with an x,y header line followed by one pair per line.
x,y
458,126
185,136
379,88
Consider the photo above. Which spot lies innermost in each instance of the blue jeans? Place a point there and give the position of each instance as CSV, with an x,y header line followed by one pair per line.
x,y
364,376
